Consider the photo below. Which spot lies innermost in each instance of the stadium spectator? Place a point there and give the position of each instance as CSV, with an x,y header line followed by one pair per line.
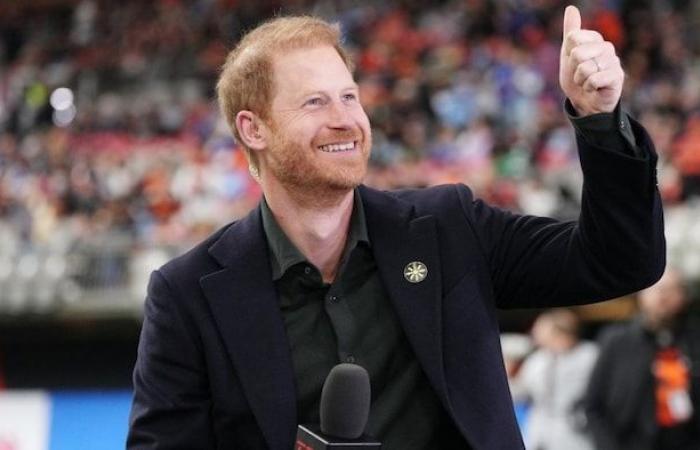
x,y
554,379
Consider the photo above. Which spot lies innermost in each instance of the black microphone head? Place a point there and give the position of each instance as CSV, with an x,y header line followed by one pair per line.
x,y
345,401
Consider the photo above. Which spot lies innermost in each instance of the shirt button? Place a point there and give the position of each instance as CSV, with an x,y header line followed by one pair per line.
x,y
307,270
333,299
350,359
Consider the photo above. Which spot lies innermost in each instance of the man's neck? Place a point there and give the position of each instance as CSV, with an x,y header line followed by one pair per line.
x,y
319,230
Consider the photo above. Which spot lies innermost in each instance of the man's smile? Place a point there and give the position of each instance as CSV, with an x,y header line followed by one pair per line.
x,y
338,147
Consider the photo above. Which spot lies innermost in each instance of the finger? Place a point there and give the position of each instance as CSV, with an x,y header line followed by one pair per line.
x,y
593,65
602,80
585,52
572,20
585,70
580,37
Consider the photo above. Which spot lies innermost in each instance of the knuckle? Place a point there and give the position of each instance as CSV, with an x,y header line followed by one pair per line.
x,y
573,37
576,55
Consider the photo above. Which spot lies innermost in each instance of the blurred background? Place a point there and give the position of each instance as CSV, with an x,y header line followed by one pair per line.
x,y
114,157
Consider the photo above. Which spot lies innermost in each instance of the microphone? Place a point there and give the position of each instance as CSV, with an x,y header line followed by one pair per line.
x,y
345,400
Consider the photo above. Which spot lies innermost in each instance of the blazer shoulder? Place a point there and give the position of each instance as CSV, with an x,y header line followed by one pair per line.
x,y
196,262
437,200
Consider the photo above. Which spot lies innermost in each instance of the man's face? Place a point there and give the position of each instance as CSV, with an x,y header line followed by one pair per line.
x,y
665,300
543,332
320,137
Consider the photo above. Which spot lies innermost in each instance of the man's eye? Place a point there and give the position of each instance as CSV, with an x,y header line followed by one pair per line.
x,y
315,101
349,97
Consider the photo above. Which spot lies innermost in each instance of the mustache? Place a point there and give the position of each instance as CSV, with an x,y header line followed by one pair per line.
x,y
341,136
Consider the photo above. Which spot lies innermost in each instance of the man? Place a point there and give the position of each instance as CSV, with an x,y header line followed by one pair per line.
x,y
240,332
554,380
644,392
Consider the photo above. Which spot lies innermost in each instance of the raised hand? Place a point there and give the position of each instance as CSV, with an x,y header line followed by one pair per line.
x,y
590,73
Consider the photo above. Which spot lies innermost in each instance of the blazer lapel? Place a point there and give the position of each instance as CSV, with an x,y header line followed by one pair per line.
x,y
398,239
246,310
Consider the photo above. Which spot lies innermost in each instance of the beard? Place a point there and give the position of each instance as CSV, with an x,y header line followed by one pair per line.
x,y
308,172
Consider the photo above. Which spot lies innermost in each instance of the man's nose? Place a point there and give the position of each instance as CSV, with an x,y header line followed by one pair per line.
x,y
339,115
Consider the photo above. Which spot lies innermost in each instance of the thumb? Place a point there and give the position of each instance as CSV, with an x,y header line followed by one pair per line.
x,y
572,20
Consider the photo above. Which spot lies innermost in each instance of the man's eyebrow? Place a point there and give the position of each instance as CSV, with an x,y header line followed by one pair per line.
x,y
309,93
302,94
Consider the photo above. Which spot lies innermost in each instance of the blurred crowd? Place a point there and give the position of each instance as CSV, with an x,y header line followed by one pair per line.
x,y
111,143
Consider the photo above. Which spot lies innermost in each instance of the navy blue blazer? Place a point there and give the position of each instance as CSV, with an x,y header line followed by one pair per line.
x,y
214,368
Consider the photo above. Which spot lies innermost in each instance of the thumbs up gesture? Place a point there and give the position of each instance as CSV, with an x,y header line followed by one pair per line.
x,y
590,73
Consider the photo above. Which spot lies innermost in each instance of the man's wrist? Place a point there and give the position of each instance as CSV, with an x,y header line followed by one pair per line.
x,y
606,129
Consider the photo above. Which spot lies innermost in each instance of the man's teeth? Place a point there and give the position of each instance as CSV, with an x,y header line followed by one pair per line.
x,y
337,147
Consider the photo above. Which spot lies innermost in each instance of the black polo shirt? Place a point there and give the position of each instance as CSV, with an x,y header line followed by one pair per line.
x,y
352,320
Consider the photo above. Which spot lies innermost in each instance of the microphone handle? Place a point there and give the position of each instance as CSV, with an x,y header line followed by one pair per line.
x,y
309,437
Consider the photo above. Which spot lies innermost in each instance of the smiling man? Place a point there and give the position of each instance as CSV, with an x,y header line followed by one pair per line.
x,y
240,332
311,142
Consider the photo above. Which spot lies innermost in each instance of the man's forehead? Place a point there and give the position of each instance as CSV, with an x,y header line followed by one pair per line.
x,y
309,66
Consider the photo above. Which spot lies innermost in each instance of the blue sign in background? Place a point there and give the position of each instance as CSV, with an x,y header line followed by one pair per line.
x,y
98,420
89,420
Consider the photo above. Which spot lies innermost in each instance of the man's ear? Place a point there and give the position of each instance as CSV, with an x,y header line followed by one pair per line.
x,y
251,130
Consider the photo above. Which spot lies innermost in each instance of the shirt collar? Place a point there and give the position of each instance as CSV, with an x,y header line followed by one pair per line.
x,y
284,254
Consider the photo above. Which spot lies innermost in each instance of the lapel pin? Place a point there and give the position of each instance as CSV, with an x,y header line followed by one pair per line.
x,y
415,272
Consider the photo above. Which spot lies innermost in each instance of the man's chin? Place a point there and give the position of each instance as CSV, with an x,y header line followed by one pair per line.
x,y
322,182
330,188
338,185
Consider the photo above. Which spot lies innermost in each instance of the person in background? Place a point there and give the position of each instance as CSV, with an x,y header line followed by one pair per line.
x,y
554,379
643,393
516,347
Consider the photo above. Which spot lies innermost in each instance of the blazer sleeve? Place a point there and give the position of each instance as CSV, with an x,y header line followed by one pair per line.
x,y
616,247
171,405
